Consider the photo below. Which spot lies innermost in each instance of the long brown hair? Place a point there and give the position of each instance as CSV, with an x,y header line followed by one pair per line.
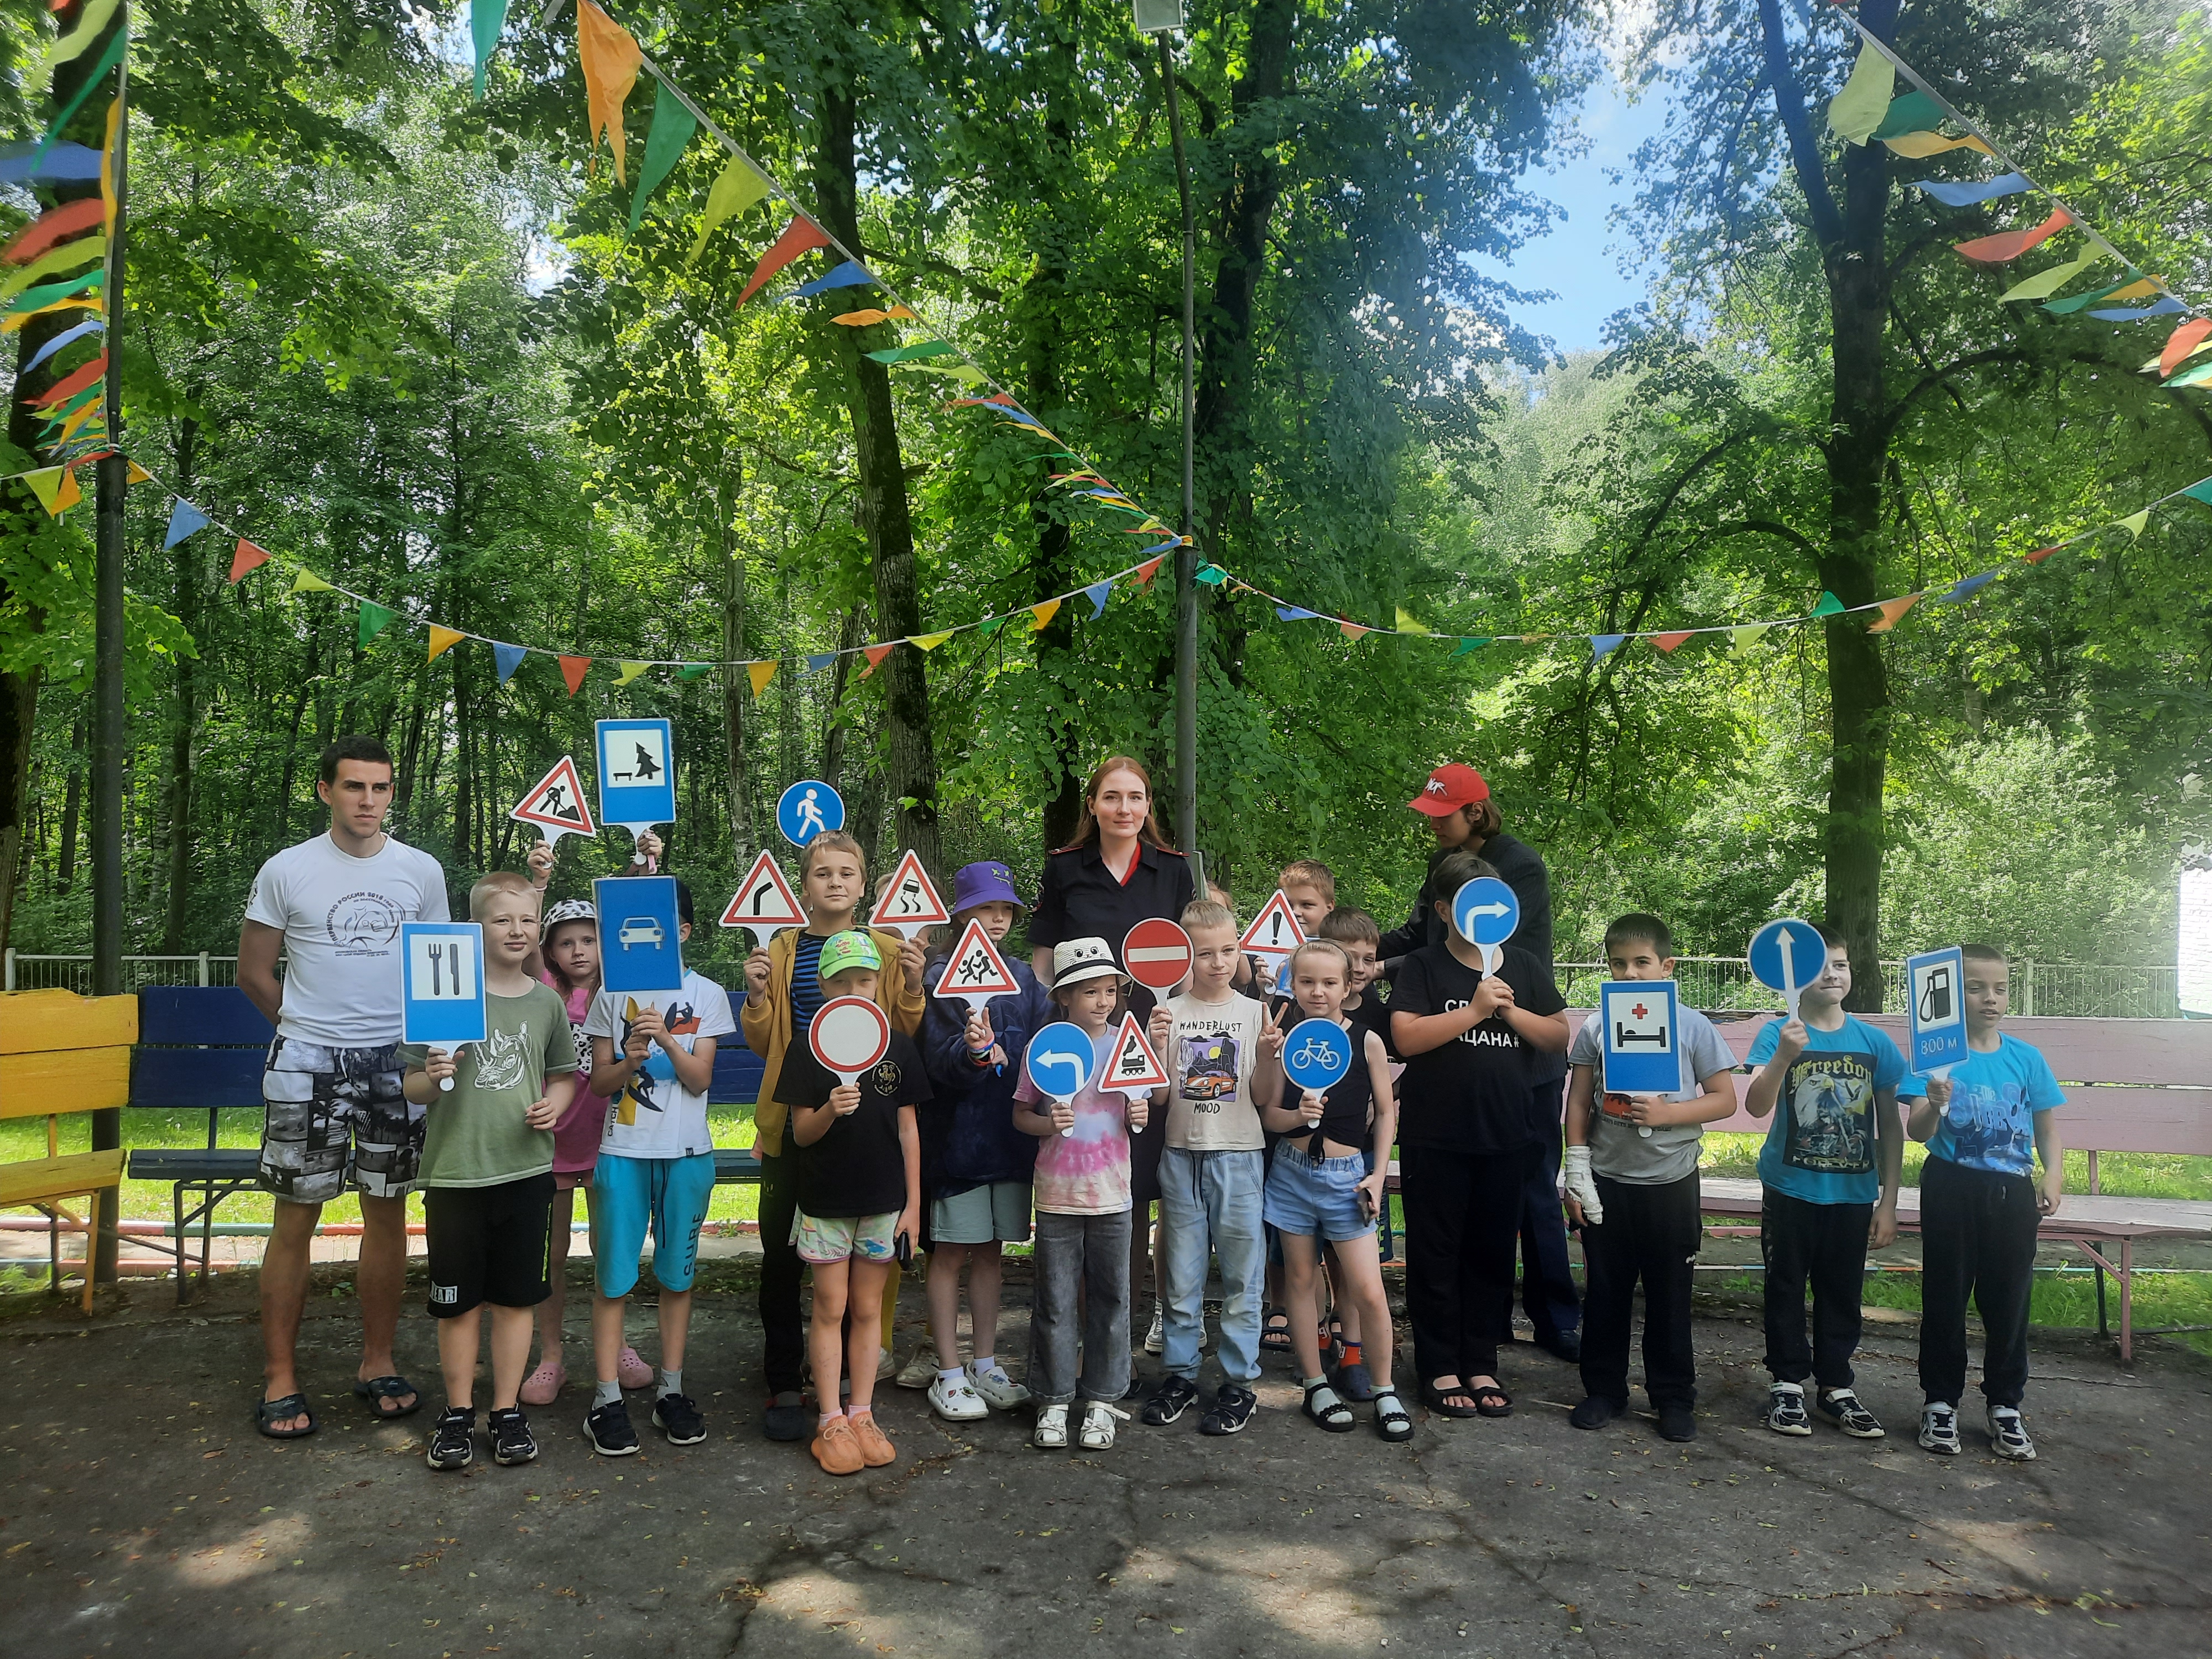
x,y
1086,826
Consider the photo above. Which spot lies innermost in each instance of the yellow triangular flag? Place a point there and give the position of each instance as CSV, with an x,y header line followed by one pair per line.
x,y
1040,615
630,670
1743,639
443,640
1915,146
1407,625
308,583
1858,109
2142,290
928,641
67,495
45,483
2044,284
737,188
137,475
2133,522
760,674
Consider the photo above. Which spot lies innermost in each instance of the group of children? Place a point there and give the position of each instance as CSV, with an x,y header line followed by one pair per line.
x,y
949,1145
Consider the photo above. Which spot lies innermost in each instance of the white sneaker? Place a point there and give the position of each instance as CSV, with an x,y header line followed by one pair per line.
x,y
1939,1429
920,1368
2009,1435
1157,1338
887,1365
1051,1432
997,1389
1098,1432
955,1401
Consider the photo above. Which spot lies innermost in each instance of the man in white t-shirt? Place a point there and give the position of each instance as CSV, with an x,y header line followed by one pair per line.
x,y
334,1114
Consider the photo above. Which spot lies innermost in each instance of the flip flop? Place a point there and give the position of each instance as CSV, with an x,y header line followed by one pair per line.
x,y
378,1389
268,1412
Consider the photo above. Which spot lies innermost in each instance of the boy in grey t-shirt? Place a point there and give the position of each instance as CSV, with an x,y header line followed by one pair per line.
x,y
1631,1179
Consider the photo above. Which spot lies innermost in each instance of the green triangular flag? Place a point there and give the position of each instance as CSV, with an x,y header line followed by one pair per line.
x,y
375,619
486,19
2044,284
1213,575
1830,605
910,354
1467,647
1860,106
691,671
2200,491
673,125
992,627
2133,522
1912,112
2074,303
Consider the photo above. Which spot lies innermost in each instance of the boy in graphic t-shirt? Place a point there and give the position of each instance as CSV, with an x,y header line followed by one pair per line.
x,y
652,1057
1833,1084
1985,1126
1213,1171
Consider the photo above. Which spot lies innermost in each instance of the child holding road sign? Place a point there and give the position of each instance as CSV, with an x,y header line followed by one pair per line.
x,y
1631,1178
1979,1205
1835,1081
1327,1183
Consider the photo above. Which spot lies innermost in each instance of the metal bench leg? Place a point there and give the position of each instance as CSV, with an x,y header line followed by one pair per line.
x,y
2127,1298
91,1245
2104,1326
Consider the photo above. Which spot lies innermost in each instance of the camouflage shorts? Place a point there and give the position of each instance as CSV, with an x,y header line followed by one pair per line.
x,y
334,1118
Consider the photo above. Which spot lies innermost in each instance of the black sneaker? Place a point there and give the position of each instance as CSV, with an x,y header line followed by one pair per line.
x,y
788,1418
1676,1422
1595,1413
511,1441
1233,1409
608,1431
454,1440
1169,1401
677,1417
1563,1344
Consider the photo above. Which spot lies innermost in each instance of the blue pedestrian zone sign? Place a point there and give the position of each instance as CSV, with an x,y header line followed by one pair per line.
x,y
1317,1053
809,808
1935,1010
441,991
1061,1058
640,949
1787,956
637,773
1643,1042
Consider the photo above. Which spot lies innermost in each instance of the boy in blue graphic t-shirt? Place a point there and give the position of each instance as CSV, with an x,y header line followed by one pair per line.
x,y
1833,1084
1985,1126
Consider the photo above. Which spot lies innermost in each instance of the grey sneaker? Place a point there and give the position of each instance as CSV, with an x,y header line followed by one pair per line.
x,y
1786,1410
1000,1391
1939,1429
1156,1338
920,1368
2009,1435
1843,1408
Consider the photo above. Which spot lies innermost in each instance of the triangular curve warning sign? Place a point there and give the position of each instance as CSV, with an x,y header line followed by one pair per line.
x,y
1135,1069
555,804
976,972
1275,931
909,903
764,900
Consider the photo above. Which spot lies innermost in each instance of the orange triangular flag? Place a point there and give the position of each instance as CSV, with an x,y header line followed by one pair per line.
x,y
443,640
1147,571
67,494
1668,642
799,236
1040,615
572,670
760,674
2182,341
876,654
2011,244
611,61
1891,611
248,557
1352,630
2040,555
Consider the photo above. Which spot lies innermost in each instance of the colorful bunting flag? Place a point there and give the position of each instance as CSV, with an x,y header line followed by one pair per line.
x,y
247,557
117,44
138,475
2200,491
50,227
673,128
67,494
1096,594
798,236
573,670
62,164
2133,522
443,640
508,658
913,353
1854,112
1828,604
1966,193
630,671
2171,305
1966,587
1147,571
610,62
929,641
68,257
43,484
820,661
1468,646
850,274
91,22
307,581
1743,639
990,625
1604,644
185,519
1352,630
1407,625
759,674
864,318
1296,613
1920,145
1211,574
375,619
68,336
1040,615
486,19
2182,342
2040,555
2074,303
2195,375
1891,611
81,378
2008,244
2044,284
1908,112
875,654
736,188
1667,641
692,670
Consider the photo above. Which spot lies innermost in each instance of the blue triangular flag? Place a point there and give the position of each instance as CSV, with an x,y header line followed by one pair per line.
x,y
90,326
820,661
2165,307
64,164
509,658
1290,612
185,519
1096,594
1604,644
1966,587
1159,547
851,274
1965,195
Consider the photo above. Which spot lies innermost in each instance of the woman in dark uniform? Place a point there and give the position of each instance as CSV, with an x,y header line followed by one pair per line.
x,y
1118,871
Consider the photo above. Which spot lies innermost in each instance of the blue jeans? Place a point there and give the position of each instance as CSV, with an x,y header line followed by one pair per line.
x,y
1216,1198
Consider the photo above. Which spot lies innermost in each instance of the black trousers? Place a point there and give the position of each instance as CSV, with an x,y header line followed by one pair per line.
x,y
1462,1212
1650,1233
1547,1277
1978,1239
783,1330
1823,1246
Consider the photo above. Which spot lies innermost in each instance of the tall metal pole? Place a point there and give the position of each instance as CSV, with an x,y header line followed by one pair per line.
x,y
1186,564
112,478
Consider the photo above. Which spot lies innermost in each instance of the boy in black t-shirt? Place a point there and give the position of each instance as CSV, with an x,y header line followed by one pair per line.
x,y
859,1184
1472,1132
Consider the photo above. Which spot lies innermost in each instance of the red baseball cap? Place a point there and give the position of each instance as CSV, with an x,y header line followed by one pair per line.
x,y
1449,788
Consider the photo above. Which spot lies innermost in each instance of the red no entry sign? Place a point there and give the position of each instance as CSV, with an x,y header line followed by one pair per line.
x,y
1157,954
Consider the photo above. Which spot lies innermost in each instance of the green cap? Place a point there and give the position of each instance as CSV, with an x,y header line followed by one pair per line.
x,y
844,950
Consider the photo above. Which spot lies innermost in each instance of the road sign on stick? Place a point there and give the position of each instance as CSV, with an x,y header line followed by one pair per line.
x,y
1157,954
809,808
1487,911
1274,932
637,774
1060,1059
639,945
441,990
976,972
555,804
764,902
910,905
1642,1038
1787,956
849,1036
1935,1010
1135,1070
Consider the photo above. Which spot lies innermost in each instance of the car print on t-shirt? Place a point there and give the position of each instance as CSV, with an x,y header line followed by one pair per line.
x,y
1209,1071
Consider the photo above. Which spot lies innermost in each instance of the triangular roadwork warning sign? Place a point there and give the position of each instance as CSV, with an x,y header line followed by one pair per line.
x,y
1275,931
556,803
909,903
976,972
1135,1069
764,900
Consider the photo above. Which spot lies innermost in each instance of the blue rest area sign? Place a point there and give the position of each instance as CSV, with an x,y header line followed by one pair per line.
x,y
1935,1010
1642,1039
1787,956
639,945
1317,1053
441,990
637,773
809,808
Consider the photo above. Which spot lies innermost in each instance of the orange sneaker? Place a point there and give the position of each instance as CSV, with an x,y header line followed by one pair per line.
x,y
875,1445
837,1448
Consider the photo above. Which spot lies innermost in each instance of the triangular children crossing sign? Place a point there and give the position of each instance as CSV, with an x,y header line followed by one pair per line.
x,y
1135,1069
976,972
764,900
909,904
555,804
1275,931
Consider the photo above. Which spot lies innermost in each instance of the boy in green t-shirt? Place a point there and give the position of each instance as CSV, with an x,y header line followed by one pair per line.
x,y
488,1173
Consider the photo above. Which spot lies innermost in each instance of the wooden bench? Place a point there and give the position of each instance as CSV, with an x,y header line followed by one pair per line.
x,y
60,1054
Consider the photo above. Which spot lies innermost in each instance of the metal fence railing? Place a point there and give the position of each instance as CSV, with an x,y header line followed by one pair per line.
x,y
26,971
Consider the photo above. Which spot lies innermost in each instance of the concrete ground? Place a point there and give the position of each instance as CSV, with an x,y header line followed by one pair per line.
x,y
141,1514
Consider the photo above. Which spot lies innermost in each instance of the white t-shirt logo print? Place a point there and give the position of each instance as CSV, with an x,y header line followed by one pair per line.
x,y
363,921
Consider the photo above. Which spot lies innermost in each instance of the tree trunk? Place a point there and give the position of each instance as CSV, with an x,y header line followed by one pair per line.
x,y
909,759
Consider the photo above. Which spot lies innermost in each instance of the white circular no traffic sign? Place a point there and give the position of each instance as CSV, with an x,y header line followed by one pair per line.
x,y
849,1036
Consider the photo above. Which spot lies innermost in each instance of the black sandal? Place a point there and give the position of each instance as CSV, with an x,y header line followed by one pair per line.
x,y
1327,1407
1275,1337
378,1389
1436,1400
1491,1400
1391,1420
268,1414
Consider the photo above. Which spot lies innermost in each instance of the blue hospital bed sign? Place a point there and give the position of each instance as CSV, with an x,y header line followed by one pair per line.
x,y
640,947
441,990
637,774
1641,1035
1935,1010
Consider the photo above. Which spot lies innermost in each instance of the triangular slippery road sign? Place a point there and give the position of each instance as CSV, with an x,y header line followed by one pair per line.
x,y
909,903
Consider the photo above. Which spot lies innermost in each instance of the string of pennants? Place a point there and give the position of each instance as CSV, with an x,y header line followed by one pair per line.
x,y
1911,124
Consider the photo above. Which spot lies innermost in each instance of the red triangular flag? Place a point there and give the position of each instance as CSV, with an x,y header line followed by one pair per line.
x,y
2011,244
572,670
876,654
2040,555
63,390
1147,571
1668,642
798,236
2182,341
248,557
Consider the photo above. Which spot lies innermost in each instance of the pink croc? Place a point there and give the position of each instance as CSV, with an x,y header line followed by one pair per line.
x,y
632,1371
539,1388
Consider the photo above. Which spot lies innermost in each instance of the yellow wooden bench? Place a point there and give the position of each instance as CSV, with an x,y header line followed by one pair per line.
x,y
62,1052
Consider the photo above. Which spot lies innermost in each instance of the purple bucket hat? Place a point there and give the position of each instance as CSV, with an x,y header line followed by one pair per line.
x,y
987,883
